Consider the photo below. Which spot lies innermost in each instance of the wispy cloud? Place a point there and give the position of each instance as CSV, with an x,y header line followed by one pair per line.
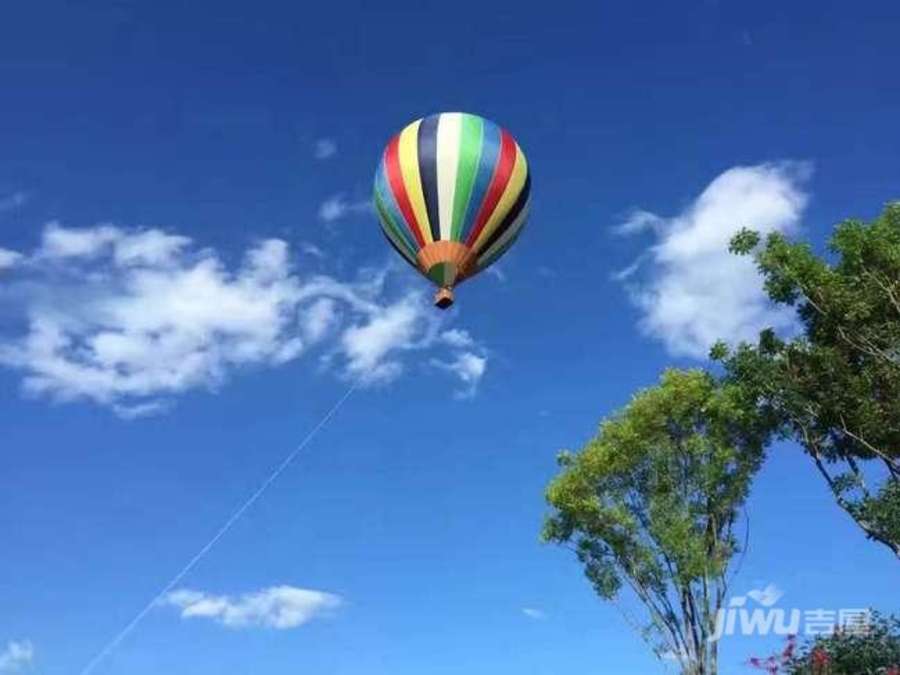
x,y
532,613
337,207
325,148
457,337
469,361
62,242
690,290
130,318
468,367
638,220
279,607
312,250
16,657
624,274
13,200
497,272
368,345
8,258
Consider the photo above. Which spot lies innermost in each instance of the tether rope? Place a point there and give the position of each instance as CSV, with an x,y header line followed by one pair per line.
x,y
174,581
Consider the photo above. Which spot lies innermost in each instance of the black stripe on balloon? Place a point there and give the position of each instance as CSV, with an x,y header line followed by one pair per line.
x,y
427,149
510,218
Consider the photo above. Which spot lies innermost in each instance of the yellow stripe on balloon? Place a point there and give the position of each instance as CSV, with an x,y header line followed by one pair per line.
x,y
507,199
408,151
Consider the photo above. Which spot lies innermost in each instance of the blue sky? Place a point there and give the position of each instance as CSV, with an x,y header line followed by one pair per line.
x,y
149,382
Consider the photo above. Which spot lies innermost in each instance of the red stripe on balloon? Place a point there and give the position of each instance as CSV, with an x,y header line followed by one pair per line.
x,y
398,187
502,173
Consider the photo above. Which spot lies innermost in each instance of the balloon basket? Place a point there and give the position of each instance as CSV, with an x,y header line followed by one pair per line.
x,y
443,298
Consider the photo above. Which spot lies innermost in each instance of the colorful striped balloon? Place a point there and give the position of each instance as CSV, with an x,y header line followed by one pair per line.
x,y
452,194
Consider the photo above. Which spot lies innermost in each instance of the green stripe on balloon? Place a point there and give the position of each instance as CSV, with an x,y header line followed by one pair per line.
x,y
469,158
389,221
393,233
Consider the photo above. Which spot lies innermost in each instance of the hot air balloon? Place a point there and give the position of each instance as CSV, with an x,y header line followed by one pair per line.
x,y
451,192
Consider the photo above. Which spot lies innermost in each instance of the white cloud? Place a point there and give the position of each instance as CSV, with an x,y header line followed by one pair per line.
x,y
138,247
134,411
468,367
469,361
61,242
325,148
319,319
8,258
457,337
141,325
13,201
150,246
279,607
533,613
312,250
16,656
629,271
338,207
691,291
131,318
368,345
639,220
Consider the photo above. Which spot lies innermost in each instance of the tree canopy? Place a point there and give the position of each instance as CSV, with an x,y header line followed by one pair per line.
x,y
653,503
835,388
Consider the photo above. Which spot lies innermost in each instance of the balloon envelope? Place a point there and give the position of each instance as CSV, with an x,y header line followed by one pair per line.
x,y
451,192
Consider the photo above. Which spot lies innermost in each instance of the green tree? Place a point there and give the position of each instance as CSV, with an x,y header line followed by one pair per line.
x,y
835,388
653,501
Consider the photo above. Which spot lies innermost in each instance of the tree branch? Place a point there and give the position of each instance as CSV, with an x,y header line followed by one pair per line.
x,y
893,465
